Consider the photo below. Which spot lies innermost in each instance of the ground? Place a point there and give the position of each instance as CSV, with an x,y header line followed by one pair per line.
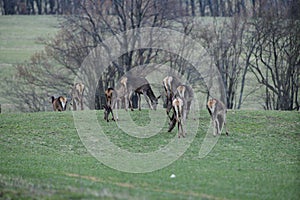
x,y
43,157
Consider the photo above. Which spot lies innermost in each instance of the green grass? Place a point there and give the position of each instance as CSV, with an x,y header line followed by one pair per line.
x,y
42,157
18,36
18,40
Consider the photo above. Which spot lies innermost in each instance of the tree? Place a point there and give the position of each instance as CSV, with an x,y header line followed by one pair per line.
x,y
276,58
224,40
81,33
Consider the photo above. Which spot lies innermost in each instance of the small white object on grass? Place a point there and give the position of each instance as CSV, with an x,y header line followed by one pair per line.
x,y
172,176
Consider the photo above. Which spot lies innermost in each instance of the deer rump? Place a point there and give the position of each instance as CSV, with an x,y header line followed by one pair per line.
x,y
59,104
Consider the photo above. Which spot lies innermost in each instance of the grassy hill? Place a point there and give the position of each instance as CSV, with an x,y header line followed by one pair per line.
x,y
19,34
18,40
42,157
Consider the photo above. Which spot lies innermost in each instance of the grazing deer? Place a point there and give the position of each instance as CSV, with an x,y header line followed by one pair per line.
x,y
187,95
59,104
77,95
139,85
127,86
178,107
111,98
217,111
170,84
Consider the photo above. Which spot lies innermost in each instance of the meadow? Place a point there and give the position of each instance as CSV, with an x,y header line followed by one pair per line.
x,y
42,157
19,41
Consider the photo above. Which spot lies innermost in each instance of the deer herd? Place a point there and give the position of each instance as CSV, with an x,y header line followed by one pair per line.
x,y
178,101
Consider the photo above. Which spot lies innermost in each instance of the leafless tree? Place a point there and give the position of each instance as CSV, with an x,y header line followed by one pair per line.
x,y
276,59
56,66
224,40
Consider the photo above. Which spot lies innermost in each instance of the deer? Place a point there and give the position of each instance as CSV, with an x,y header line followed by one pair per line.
x,y
178,107
140,86
77,95
111,96
127,86
217,111
186,93
59,103
170,84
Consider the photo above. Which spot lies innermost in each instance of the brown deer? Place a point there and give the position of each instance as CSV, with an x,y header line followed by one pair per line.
x,y
59,104
217,111
186,93
77,95
170,84
140,85
111,98
178,107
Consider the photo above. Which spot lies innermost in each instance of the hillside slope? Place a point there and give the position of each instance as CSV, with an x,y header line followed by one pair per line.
x,y
43,157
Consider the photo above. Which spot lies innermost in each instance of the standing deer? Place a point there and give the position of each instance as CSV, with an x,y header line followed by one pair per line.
x,y
77,95
173,88
178,107
111,96
186,93
59,104
170,84
217,111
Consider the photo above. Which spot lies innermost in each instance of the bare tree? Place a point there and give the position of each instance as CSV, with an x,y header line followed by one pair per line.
x,y
224,40
35,82
97,21
56,66
276,58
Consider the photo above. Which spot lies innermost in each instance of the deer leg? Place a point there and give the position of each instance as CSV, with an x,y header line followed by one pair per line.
x,y
147,100
227,133
112,114
178,128
130,101
74,104
139,101
183,129
184,114
213,123
115,104
81,103
217,126
126,102
172,123
106,113
188,108
169,107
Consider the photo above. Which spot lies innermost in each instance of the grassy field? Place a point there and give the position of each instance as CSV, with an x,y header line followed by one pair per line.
x,y
42,157
18,36
18,40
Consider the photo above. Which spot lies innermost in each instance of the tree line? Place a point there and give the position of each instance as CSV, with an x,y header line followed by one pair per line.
x,y
212,8
38,7
265,48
